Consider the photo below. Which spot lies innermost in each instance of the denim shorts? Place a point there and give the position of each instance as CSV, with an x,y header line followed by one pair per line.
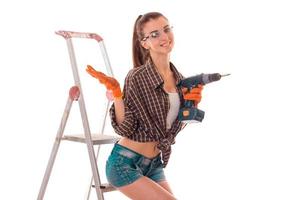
x,y
124,166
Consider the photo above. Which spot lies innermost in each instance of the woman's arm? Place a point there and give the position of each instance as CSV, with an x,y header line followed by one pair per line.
x,y
122,115
112,85
119,110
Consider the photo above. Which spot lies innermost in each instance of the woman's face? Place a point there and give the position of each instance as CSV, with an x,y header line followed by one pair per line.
x,y
159,38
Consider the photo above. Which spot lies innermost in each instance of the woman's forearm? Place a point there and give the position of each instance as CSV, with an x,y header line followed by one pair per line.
x,y
119,110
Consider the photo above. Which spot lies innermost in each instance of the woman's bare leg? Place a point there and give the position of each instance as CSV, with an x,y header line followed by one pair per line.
x,y
146,189
166,186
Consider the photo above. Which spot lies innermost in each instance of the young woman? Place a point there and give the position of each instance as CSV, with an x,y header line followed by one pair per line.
x,y
145,113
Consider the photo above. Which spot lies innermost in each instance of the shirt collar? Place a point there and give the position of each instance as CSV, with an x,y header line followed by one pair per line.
x,y
155,77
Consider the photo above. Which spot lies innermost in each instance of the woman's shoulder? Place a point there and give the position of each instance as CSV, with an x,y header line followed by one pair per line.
x,y
136,73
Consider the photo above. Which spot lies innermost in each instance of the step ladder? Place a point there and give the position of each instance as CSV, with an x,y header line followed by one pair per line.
x,y
75,94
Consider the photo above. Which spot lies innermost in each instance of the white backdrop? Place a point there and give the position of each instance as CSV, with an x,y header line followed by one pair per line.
x,y
247,147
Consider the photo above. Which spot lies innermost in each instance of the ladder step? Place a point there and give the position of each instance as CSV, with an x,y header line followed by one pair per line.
x,y
106,187
96,138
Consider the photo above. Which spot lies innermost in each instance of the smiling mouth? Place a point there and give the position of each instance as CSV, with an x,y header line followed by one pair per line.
x,y
165,44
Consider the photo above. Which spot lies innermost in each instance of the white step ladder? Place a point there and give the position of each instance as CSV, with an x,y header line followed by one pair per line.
x,y
75,94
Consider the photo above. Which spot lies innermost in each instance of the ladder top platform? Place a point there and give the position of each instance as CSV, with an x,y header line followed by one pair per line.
x,y
96,138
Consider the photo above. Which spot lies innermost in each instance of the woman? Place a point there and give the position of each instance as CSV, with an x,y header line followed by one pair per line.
x,y
145,114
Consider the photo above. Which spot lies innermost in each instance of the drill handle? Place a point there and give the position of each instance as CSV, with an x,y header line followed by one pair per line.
x,y
189,103
186,89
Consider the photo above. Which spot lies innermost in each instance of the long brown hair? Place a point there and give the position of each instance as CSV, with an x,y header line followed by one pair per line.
x,y
139,53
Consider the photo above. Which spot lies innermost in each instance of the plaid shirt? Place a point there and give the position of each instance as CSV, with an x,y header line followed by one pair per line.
x,y
146,108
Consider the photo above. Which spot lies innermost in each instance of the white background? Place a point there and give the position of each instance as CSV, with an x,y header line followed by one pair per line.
x,y
247,147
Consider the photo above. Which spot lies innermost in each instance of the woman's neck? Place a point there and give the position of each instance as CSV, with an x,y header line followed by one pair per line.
x,y
162,64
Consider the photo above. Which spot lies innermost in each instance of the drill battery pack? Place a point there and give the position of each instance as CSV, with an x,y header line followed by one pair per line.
x,y
190,115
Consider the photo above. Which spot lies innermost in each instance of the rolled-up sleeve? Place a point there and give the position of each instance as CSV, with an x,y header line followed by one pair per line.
x,y
128,126
130,123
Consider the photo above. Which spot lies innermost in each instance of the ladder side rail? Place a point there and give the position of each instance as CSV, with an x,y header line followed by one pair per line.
x,y
55,148
98,148
106,59
102,129
110,73
85,122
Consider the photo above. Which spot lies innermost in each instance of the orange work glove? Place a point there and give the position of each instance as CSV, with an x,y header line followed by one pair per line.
x,y
194,94
109,82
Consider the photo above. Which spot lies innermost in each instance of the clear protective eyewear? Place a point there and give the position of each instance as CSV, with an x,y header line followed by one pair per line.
x,y
157,33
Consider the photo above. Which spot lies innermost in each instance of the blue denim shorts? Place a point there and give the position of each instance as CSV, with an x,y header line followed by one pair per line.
x,y
124,166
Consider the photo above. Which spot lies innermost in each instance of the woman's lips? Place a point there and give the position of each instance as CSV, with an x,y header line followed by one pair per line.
x,y
166,44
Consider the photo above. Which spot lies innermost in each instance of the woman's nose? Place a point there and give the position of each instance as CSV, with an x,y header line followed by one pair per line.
x,y
163,35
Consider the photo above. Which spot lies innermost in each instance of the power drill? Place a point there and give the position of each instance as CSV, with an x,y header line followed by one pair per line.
x,y
189,113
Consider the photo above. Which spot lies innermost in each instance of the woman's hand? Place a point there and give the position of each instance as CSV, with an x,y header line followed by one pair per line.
x,y
194,94
110,83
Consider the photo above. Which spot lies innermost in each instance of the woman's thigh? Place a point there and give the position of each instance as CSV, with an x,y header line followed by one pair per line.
x,y
146,189
166,186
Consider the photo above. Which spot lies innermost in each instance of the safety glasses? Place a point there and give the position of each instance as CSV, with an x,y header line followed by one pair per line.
x,y
157,33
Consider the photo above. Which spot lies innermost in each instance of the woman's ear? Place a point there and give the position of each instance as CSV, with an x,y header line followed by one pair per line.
x,y
144,45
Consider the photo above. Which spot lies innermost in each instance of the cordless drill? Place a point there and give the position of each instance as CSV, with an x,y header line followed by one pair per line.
x,y
189,113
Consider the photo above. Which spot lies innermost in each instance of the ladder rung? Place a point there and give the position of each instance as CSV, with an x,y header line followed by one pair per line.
x,y
106,187
96,138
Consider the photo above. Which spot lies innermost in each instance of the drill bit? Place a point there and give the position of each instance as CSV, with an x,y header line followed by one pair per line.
x,y
225,75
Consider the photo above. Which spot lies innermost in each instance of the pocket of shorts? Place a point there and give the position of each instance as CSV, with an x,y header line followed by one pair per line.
x,y
112,168
120,170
